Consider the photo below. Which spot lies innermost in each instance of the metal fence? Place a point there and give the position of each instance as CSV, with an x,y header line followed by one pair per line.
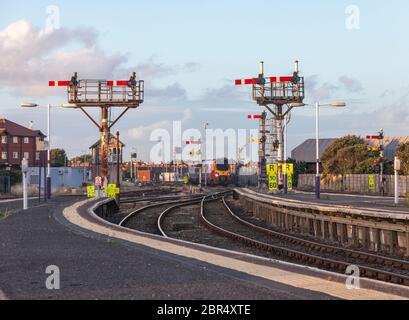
x,y
354,183
5,185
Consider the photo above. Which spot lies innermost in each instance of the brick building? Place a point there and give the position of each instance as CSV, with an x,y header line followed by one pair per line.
x,y
17,142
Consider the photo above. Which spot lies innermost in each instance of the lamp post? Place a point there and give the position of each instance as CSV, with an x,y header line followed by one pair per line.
x,y
49,106
204,152
336,104
287,121
163,159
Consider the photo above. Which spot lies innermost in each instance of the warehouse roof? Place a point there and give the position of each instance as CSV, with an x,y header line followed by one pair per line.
x,y
306,151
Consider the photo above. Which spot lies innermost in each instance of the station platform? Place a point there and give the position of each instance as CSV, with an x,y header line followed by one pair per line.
x,y
346,200
102,261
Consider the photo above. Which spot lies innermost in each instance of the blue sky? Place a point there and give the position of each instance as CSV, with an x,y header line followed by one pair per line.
x,y
189,52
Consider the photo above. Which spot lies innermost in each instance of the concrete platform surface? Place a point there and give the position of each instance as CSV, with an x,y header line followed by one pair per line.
x,y
107,264
348,200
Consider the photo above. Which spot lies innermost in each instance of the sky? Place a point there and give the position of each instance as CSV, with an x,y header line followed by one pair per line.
x,y
190,52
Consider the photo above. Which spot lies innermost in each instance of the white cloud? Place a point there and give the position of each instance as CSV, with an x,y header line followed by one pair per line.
x,y
351,84
142,133
30,57
327,90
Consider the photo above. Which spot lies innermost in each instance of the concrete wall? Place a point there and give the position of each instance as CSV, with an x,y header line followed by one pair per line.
x,y
354,183
353,228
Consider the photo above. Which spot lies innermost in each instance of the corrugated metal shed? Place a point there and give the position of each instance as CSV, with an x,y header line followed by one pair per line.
x,y
306,150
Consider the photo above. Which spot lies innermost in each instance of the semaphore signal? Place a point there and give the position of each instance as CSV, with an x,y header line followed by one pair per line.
x,y
103,94
276,94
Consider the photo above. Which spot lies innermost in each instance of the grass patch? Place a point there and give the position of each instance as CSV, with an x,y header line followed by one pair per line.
x,y
111,241
4,214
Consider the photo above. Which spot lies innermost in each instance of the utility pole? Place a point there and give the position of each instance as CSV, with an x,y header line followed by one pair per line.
x,y
118,178
24,170
287,121
381,154
396,168
204,152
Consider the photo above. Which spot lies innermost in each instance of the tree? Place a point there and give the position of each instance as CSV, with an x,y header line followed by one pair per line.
x,y
58,157
82,158
347,155
402,152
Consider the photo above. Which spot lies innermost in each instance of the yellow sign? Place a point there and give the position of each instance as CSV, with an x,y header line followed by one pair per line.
x,y
272,169
91,192
290,168
185,180
371,182
272,182
255,140
111,190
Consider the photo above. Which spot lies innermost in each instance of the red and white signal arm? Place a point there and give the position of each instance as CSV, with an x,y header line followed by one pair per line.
x,y
98,181
192,142
254,116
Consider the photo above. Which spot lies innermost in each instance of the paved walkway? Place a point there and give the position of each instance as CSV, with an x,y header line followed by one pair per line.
x,y
95,267
125,265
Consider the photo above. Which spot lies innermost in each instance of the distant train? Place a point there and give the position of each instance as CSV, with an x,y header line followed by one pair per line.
x,y
215,172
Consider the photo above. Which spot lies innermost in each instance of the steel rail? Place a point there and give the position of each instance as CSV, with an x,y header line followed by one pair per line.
x,y
370,257
162,216
318,261
133,213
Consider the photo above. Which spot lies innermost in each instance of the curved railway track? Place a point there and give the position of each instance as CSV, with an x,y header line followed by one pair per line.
x,y
330,261
278,244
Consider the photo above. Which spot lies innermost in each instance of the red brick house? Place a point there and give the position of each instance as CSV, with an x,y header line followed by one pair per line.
x,y
17,142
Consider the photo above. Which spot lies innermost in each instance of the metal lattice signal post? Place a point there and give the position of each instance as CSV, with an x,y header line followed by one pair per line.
x,y
262,174
276,94
103,94
379,161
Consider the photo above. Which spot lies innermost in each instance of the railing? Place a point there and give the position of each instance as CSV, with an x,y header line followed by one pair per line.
x,y
279,92
98,92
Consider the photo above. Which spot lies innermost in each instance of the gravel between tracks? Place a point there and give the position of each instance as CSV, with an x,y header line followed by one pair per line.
x,y
216,213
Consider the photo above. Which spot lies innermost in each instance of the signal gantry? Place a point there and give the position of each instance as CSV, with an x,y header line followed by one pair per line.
x,y
103,94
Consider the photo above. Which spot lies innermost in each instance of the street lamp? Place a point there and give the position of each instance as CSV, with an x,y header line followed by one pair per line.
x,y
163,159
335,104
49,106
287,119
203,151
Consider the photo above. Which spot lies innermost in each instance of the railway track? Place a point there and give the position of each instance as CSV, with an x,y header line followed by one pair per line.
x,y
323,256
269,242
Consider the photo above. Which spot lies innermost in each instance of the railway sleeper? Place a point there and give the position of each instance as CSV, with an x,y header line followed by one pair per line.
x,y
383,276
396,279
